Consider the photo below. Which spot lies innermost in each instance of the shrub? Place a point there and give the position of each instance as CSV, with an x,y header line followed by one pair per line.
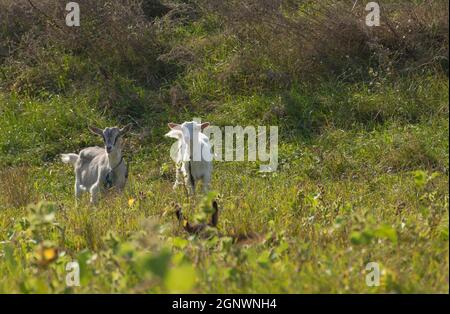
x,y
285,41
116,38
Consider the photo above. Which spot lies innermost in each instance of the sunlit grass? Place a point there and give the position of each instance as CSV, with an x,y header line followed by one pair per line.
x,y
363,152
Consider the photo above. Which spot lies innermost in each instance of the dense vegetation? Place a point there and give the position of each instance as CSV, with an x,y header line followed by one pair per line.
x,y
363,122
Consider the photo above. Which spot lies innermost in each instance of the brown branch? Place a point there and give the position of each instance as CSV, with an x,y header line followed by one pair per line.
x,y
197,228
48,18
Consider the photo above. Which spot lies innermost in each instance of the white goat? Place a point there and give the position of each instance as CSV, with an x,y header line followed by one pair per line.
x,y
98,169
193,155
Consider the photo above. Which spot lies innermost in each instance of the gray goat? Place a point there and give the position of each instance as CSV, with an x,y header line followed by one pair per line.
x,y
98,169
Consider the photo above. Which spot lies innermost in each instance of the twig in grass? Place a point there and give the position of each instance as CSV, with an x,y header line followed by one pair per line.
x,y
198,229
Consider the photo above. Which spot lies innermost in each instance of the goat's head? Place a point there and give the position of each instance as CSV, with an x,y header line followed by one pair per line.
x,y
111,136
187,131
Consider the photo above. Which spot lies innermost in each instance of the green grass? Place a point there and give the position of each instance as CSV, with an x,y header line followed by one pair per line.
x,y
362,177
318,217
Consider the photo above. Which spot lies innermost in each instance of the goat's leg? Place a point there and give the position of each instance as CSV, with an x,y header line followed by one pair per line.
x,y
78,191
192,188
178,178
206,183
96,188
121,182
206,179
94,191
79,188
190,185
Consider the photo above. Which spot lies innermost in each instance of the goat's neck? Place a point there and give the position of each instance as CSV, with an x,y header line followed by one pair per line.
x,y
195,145
114,158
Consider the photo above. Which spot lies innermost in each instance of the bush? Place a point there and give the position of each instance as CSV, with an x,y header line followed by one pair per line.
x,y
115,38
283,41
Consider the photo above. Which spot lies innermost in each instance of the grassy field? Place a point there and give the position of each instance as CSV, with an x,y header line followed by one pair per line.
x,y
363,150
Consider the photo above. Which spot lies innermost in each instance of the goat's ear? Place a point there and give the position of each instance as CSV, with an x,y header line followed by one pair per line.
x,y
173,125
204,125
95,130
126,129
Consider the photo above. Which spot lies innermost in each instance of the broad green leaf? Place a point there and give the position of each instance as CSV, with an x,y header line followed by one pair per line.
x,y
180,279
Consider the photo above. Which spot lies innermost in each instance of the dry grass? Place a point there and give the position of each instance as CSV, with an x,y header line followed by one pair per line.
x,y
16,187
111,40
304,40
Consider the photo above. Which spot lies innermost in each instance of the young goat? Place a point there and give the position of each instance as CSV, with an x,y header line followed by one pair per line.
x,y
97,168
193,156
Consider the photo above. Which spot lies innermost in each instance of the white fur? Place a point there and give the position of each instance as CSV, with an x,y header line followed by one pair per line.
x,y
187,168
93,164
